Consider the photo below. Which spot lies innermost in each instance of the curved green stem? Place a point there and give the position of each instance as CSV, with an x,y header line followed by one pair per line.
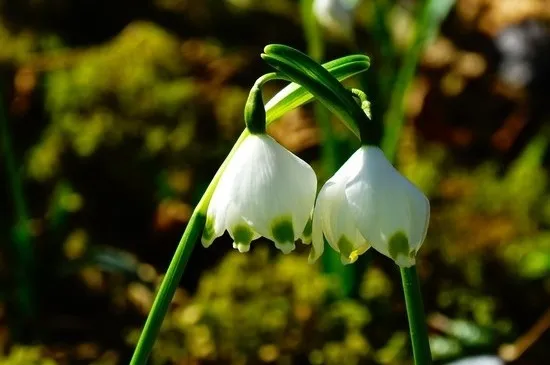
x,y
312,31
254,109
417,318
384,42
330,260
23,250
168,287
365,104
395,116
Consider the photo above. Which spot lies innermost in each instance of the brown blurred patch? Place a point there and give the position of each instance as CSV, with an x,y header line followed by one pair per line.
x,y
499,14
296,130
172,213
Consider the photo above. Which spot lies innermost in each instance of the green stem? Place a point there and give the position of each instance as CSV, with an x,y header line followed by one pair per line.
x,y
23,250
395,116
312,32
168,288
384,42
417,318
330,261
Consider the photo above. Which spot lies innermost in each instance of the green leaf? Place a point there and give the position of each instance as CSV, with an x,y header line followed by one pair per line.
x,y
317,88
301,69
295,95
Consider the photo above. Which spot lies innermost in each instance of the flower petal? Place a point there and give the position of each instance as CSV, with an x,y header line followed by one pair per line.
x,y
419,206
333,218
215,215
360,195
376,204
306,233
391,213
264,190
274,184
239,230
317,239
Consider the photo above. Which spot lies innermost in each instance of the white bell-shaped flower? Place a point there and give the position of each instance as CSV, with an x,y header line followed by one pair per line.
x,y
369,203
336,16
265,190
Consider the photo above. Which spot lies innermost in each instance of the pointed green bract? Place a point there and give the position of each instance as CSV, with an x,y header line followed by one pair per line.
x,y
295,95
301,69
345,108
254,111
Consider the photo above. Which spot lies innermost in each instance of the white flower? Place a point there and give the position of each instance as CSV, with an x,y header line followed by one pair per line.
x,y
369,203
335,15
265,190
479,360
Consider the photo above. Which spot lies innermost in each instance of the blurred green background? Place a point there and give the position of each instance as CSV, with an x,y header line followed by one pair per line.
x,y
115,115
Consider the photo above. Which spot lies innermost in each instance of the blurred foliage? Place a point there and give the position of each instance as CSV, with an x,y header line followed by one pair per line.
x,y
138,86
35,355
120,117
254,309
26,355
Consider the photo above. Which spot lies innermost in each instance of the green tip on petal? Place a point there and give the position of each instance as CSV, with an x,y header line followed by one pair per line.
x,y
354,255
345,260
208,232
313,255
283,234
399,249
242,247
285,247
348,252
242,235
345,246
306,235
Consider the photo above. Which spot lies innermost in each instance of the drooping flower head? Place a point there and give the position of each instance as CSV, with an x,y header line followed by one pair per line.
x,y
336,16
265,190
369,203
